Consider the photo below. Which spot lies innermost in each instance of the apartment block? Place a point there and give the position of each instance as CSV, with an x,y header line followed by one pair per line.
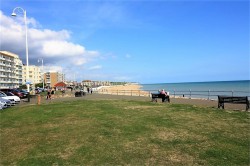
x,y
34,76
51,78
10,70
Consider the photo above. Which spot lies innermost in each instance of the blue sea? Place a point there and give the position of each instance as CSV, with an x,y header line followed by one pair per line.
x,y
205,90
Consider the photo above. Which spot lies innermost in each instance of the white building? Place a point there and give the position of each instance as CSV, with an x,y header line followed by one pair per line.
x,y
35,76
10,70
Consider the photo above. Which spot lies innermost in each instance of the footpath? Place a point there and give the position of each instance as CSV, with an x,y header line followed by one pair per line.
x,y
95,96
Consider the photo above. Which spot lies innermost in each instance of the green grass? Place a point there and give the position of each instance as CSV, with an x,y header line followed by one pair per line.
x,y
112,132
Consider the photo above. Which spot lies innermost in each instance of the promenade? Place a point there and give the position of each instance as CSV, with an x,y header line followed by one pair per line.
x,y
96,96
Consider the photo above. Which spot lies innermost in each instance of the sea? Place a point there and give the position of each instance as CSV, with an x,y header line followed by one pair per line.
x,y
202,90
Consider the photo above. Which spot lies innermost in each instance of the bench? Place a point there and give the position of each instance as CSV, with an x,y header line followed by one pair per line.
x,y
80,94
234,100
162,96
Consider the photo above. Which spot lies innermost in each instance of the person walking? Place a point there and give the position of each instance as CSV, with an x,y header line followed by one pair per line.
x,y
49,94
52,93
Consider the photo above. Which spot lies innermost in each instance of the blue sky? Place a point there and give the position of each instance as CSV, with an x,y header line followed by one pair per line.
x,y
162,41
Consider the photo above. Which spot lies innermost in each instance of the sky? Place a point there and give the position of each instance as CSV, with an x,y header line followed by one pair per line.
x,y
145,41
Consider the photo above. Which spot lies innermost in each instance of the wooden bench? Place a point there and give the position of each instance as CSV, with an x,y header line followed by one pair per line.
x,y
162,96
234,100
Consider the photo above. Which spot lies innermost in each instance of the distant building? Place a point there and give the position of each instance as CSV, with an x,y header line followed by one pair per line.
x,y
71,83
51,78
10,70
34,74
87,83
95,83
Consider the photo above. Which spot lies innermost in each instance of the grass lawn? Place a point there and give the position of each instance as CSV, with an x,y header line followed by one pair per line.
x,y
112,132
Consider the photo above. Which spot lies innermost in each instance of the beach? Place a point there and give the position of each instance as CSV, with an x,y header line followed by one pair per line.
x,y
127,89
124,87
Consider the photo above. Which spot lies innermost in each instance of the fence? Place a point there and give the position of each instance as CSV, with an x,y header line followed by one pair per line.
x,y
209,94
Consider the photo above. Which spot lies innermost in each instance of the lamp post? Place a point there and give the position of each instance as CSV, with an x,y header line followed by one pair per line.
x,y
41,59
26,43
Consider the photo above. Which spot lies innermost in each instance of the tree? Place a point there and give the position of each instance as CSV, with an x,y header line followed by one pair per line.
x,y
39,85
23,86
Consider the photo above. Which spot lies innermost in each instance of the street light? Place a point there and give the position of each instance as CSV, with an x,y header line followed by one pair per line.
x,y
41,59
26,41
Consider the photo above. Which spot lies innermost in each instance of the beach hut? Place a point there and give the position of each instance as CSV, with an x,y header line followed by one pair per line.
x,y
60,86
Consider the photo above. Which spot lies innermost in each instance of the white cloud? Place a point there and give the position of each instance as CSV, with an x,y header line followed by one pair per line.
x,y
61,48
53,69
53,46
95,67
78,60
59,53
46,34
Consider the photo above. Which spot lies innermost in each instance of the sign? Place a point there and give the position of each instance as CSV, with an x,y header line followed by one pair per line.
x,y
28,82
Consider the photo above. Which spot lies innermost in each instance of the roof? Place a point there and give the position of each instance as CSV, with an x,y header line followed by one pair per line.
x,y
60,84
10,54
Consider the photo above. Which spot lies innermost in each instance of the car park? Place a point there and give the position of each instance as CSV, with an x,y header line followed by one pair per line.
x,y
13,99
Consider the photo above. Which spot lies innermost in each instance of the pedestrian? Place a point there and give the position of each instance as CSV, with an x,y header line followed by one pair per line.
x,y
49,94
63,91
52,94
164,95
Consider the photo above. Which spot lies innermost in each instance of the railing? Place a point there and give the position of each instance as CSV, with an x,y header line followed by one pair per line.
x,y
209,94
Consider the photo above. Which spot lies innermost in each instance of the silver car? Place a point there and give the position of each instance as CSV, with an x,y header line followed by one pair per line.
x,y
4,103
14,99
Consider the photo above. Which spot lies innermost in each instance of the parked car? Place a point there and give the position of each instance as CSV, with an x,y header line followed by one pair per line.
x,y
18,93
4,103
37,91
21,94
16,98
13,99
25,92
7,102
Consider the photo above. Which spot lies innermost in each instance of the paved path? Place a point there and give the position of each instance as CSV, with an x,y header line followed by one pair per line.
x,y
197,102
